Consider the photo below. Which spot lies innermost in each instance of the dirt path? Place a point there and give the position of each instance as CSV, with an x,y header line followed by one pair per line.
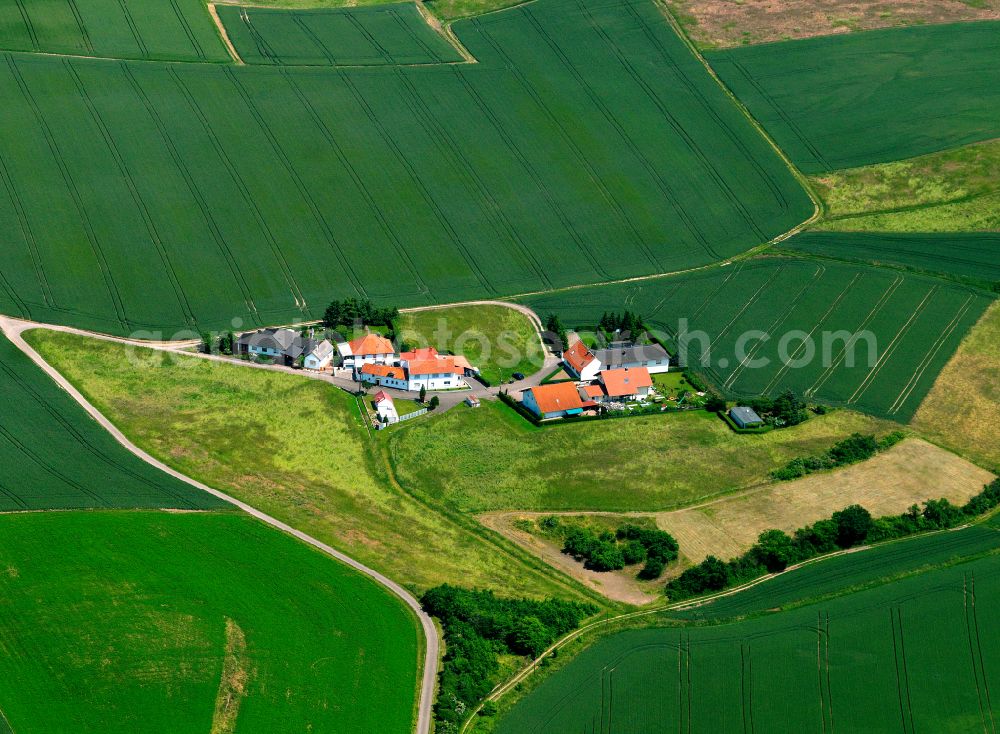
x,y
618,586
224,34
13,329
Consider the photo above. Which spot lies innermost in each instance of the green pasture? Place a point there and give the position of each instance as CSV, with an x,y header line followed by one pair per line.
x,y
142,621
54,456
587,144
498,340
493,459
955,190
368,36
139,29
854,99
918,654
297,449
970,257
901,327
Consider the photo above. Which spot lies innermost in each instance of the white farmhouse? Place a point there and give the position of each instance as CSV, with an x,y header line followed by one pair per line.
x,y
320,356
369,349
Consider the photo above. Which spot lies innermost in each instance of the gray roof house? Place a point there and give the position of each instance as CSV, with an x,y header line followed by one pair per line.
x,y
745,417
285,345
618,355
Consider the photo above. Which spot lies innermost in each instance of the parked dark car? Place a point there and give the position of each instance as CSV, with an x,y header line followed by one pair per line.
x,y
518,376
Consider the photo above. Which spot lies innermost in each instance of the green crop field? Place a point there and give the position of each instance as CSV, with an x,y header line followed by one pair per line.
x,y
384,34
493,459
902,327
142,621
143,29
973,257
919,654
850,100
53,456
139,195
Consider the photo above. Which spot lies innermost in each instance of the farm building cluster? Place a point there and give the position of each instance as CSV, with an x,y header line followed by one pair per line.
x,y
371,359
602,379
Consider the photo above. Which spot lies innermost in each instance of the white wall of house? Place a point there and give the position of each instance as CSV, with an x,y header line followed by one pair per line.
x,y
312,363
360,360
435,382
383,381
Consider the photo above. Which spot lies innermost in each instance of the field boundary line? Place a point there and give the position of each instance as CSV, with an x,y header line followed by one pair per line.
x,y
220,28
505,687
14,329
806,184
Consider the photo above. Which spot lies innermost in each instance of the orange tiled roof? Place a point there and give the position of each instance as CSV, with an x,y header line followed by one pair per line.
x,y
419,354
578,356
372,344
625,381
439,365
383,370
594,391
559,396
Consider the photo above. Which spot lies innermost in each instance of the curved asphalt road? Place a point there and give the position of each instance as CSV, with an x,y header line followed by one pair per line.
x,y
13,329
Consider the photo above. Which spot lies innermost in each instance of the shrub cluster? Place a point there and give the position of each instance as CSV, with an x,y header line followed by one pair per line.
x,y
853,449
479,626
629,545
785,410
775,550
353,310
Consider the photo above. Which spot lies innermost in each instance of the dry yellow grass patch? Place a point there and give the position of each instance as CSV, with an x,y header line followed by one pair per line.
x,y
723,23
232,686
960,412
909,473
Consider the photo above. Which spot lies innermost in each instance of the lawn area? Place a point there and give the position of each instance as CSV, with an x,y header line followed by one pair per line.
x,y
952,191
117,622
492,459
290,446
960,412
498,340
672,384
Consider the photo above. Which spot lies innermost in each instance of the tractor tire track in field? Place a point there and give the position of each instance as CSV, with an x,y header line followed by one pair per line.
x,y
973,660
654,173
140,205
29,237
452,154
74,193
193,189
13,330
241,185
358,181
564,134
653,96
134,29
316,41
186,27
582,245
28,25
685,79
425,192
303,190
78,18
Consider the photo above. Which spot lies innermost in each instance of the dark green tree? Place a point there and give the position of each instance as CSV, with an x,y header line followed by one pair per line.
x,y
853,524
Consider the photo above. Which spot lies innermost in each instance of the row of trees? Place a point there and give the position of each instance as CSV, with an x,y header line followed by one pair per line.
x,y
629,324
479,626
775,550
629,545
785,410
855,448
218,343
353,310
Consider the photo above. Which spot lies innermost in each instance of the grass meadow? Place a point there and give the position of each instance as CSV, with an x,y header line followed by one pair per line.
x,y
172,29
492,459
917,323
498,340
960,410
955,190
872,661
126,621
293,447
841,101
159,196
54,457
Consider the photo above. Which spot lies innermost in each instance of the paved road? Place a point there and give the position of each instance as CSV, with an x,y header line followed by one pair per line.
x,y
13,329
